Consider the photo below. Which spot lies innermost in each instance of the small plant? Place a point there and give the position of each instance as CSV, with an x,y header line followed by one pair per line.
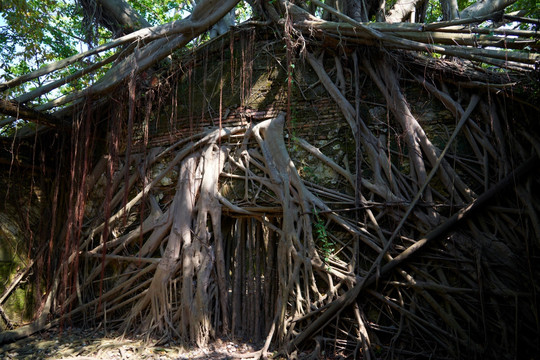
x,y
290,75
309,173
327,245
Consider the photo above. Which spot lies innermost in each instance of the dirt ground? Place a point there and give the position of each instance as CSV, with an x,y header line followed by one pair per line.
x,y
80,344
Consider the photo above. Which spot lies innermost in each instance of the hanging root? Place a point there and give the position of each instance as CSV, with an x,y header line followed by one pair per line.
x,y
228,233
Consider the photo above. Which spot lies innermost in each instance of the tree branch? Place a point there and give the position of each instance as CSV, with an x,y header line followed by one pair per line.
x,y
348,298
485,7
19,111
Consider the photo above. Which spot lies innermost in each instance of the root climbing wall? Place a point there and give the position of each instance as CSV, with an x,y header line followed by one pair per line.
x,y
365,211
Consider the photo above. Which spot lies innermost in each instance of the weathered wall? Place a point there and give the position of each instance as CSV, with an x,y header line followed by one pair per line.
x,y
244,79
251,85
14,260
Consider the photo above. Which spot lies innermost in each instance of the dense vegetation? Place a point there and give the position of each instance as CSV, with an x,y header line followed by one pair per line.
x,y
355,177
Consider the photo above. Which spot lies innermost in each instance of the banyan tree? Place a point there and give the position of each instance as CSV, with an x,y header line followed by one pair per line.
x,y
343,177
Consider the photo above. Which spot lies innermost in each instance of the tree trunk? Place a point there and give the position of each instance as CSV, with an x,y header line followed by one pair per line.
x,y
450,10
116,15
484,7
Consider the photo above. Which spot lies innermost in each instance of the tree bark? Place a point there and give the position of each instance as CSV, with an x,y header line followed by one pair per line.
x,y
402,10
116,15
450,9
485,7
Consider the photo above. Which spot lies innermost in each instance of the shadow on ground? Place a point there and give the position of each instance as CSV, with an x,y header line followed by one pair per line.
x,y
82,344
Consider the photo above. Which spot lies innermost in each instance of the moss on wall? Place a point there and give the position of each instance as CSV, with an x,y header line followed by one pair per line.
x,y
19,306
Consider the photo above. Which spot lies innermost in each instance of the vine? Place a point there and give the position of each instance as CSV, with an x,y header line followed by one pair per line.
x,y
327,245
